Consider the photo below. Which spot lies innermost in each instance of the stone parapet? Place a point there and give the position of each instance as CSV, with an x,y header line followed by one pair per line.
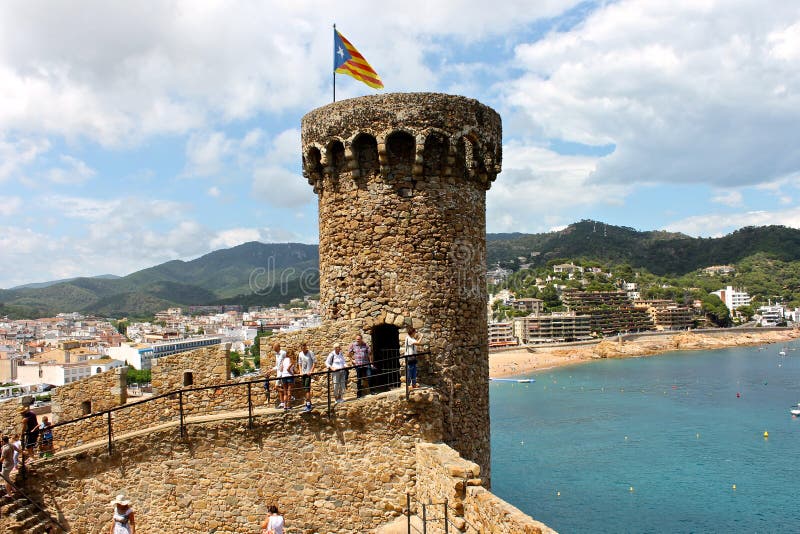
x,y
444,476
346,474
438,135
93,394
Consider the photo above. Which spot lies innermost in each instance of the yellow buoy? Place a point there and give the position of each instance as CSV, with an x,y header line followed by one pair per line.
x,y
630,489
734,487
766,434
558,494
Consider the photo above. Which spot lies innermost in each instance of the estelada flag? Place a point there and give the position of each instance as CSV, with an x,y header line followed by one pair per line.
x,y
348,60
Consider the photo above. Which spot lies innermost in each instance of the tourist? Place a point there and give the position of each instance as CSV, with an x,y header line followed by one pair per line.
x,y
335,362
412,340
362,360
123,522
46,437
279,355
306,360
29,428
7,463
273,524
286,379
17,443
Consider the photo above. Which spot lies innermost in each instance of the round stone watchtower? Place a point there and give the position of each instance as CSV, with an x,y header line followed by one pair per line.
x,y
402,181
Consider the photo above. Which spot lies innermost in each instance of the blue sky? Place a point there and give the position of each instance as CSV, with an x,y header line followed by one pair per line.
x,y
132,134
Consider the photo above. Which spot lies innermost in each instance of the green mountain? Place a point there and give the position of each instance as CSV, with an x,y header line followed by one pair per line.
x,y
270,274
657,251
220,277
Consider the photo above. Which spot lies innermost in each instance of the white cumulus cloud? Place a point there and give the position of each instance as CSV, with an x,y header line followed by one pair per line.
x,y
685,90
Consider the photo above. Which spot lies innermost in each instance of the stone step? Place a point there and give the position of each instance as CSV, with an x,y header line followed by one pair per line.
x,y
31,522
24,512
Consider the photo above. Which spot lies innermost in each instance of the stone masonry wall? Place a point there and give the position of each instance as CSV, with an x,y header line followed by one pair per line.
x,y
443,475
401,181
346,474
208,366
9,417
103,391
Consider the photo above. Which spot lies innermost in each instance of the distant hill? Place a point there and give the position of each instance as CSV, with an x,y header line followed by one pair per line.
x,y
36,285
657,251
219,277
224,276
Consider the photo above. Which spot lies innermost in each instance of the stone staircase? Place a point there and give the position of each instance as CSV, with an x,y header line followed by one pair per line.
x,y
21,516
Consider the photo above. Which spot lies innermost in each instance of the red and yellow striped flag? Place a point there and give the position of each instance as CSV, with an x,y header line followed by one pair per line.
x,y
348,60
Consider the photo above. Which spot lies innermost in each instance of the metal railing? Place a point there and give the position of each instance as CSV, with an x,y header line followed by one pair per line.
x,y
47,514
384,380
437,516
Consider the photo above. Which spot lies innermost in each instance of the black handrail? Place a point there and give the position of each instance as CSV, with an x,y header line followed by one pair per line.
x,y
266,381
445,517
45,512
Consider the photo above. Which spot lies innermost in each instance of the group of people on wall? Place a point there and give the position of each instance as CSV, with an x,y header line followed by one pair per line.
x,y
361,357
32,435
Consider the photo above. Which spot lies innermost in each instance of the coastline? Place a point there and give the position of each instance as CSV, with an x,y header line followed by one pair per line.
x,y
543,357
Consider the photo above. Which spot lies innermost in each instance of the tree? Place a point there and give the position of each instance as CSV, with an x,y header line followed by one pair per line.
x,y
550,297
121,326
746,311
716,310
255,350
136,376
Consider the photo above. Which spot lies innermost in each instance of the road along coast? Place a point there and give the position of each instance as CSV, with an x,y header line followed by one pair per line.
x,y
540,357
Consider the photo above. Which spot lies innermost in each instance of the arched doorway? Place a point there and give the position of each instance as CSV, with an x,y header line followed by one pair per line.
x,y
386,354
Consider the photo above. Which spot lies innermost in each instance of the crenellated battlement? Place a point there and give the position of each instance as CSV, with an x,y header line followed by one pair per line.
x,y
402,137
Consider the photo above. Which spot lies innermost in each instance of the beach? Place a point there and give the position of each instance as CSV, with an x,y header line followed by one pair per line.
x,y
540,357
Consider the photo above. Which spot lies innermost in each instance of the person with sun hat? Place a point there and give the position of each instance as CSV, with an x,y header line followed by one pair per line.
x,y
123,522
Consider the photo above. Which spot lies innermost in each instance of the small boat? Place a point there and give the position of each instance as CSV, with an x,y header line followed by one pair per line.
x,y
517,380
795,410
782,353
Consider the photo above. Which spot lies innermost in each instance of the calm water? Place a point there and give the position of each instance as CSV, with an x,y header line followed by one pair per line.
x,y
669,427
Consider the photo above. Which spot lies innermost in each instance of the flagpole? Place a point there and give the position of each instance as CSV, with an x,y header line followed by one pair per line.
x,y
334,63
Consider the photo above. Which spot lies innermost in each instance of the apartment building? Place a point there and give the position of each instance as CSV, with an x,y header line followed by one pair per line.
x,y
502,335
668,315
770,315
610,311
733,298
552,327
531,305
141,355
59,373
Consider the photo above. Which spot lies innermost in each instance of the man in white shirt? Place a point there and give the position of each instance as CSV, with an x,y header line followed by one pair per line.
x,y
306,361
336,363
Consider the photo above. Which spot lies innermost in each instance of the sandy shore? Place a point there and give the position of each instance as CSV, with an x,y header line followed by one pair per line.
x,y
542,357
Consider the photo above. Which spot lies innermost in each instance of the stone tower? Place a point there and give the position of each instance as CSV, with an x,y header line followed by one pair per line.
x,y
402,180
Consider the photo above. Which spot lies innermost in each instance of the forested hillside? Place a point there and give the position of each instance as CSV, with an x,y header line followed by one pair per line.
x,y
767,261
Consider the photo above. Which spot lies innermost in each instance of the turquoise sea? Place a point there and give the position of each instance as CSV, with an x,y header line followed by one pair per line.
x,y
654,444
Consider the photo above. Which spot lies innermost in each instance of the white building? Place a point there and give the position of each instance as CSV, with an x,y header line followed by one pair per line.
x,y
58,374
140,355
733,298
770,315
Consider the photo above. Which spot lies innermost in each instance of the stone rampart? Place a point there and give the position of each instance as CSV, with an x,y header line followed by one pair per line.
x,y
345,474
9,417
444,476
201,367
93,394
